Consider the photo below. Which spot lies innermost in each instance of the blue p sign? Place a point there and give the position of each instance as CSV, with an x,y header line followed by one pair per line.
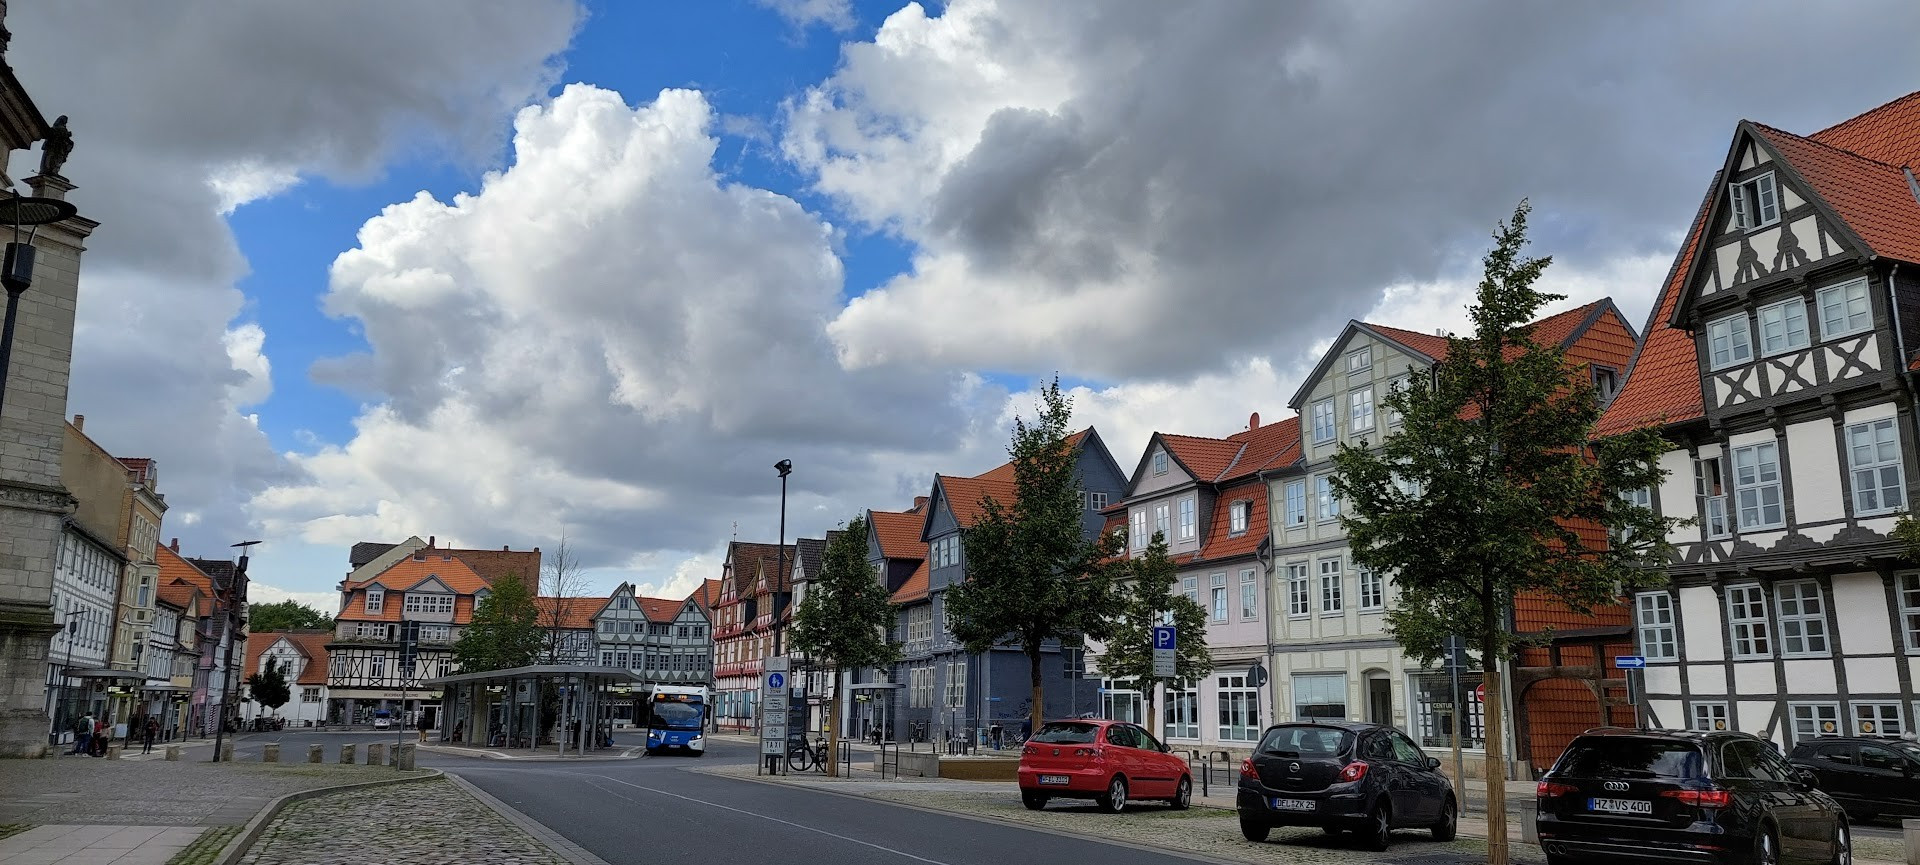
x,y
776,680
1163,637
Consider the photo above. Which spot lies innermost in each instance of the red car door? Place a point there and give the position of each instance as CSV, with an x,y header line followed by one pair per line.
x,y
1123,757
1153,773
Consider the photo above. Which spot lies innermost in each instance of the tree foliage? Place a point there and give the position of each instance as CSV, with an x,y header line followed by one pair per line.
x,y
1033,575
1482,495
287,615
269,686
505,631
843,620
1147,600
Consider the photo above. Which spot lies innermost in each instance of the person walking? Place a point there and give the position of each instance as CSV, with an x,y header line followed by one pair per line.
x,y
99,737
152,730
83,735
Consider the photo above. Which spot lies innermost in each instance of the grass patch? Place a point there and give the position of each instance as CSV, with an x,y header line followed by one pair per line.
x,y
205,848
11,829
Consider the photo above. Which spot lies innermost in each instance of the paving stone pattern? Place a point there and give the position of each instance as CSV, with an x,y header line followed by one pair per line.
x,y
79,790
437,824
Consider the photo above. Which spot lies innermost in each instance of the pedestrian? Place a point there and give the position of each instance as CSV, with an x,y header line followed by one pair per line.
x,y
99,737
153,729
83,735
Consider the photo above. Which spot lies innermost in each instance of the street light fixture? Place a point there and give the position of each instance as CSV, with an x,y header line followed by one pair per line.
x,y
16,269
236,595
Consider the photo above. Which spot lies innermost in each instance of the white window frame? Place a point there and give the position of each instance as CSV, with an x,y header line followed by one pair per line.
x,y
1360,360
1332,587
1751,635
1237,517
1373,589
1802,610
1907,595
1159,463
1096,501
1139,529
956,690
1716,518
1300,590
1295,493
1217,597
1884,489
1804,720
1788,323
1751,484
1703,714
1654,623
427,602
1326,505
1756,202
1182,712
1324,427
376,599
1239,707
1189,521
1190,587
1360,409
1845,309
1737,335
1888,718
1163,520
1249,595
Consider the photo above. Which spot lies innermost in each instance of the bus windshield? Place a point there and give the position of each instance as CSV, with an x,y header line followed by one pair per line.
x,y
675,715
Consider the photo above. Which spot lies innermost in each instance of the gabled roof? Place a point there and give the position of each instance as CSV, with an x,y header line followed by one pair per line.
x,y
575,613
366,551
1889,133
899,533
1203,459
492,565
914,588
408,573
1243,454
706,594
660,609
312,645
1871,198
964,496
1219,542
808,553
1663,380
1431,346
178,576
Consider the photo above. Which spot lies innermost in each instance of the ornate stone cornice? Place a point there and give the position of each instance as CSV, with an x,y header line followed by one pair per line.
x,y
20,495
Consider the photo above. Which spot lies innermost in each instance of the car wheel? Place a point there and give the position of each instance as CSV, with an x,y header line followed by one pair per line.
x,y
1378,829
1449,821
1115,800
1766,851
1033,799
1253,831
1182,795
1842,844
1332,830
698,753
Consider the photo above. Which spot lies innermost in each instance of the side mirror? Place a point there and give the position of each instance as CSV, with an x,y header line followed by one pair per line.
x,y
1806,776
1433,762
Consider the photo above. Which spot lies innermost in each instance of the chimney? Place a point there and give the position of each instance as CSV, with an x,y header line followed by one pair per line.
x,y
1253,422
505,549
175,546
80,422
430,539
919,503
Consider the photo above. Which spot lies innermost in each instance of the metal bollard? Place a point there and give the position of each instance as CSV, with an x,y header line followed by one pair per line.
x,y
403,756
346,755
376,753
270,753
226,752
314,753
173,753
1910,832
1529,822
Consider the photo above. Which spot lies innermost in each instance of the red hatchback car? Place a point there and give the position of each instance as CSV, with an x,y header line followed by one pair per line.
x,y
1109,762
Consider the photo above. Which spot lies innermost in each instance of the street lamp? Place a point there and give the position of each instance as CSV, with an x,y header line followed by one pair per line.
x,y
236,595
66,669
16,269
784,467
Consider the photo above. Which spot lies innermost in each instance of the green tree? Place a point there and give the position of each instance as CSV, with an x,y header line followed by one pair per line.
x,y
844,618
1148,600
288,615
1033,576
269,686
505,631
1477,500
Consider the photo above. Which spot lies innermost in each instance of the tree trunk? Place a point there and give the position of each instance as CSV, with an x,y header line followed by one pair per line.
x,y
1494,709
833,725
1038,714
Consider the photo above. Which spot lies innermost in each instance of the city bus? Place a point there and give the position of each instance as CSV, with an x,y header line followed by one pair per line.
x,y
675,717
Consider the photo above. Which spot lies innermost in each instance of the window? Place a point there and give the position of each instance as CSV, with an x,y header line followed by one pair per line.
x,y
1186,519
1910,610
377,666
956,684
1373,589
1237,518
1323,421
1296,495
1728,341
1747,619
1844,309
1120,701
1139,531
1873,455
1330,585
1249,595
1190,586
428,602
1879,719
1360,360
1299,596
436,633
625,603
1814,719
1710,485
1783,326
1320,696
1325,504
371,629
623,659
1360,404
1218,584
1073,662
1640,498
1398,385
919,627
1654,613
681,632
1162,521
1440,717
606,657
1711,717
1239,707
1606,383
1182,713
1096,501
920,686
1756,485
1754,205
1803,619
376,599
1159,463
310,695
945,551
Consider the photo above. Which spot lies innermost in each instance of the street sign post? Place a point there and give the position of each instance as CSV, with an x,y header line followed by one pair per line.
x,y
774,690
1456,663
1164,639
1630,664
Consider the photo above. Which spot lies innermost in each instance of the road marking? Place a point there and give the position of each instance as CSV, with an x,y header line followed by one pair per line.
x,y
879,847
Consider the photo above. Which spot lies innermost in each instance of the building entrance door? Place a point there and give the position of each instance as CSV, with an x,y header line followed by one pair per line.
x,y
1380,700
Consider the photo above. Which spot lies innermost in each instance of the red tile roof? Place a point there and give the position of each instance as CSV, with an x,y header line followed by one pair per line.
x,y
1871,197
660,609
1269,446
409,572
575,613
1431,345
310,644
914,588
1204,458
707,595
964,495
1889,133
899,534
1663,381
1219,542
181,575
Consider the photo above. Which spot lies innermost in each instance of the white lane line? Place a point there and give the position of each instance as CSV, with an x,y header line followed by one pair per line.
x,y
879,847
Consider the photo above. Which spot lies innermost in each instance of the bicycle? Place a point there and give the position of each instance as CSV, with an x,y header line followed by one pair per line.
x,y
803,757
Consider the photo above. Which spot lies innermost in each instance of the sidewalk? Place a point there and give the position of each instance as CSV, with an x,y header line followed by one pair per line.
x,y
447,823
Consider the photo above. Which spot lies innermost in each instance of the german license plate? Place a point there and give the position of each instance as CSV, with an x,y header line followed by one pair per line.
x,y
1293,804
1060,780
1620,806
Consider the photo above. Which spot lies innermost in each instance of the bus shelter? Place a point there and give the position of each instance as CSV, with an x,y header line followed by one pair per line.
x,y
501,708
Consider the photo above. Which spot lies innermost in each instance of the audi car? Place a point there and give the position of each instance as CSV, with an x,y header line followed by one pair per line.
x,y
1869,777
1110,762
1342,776
1696,797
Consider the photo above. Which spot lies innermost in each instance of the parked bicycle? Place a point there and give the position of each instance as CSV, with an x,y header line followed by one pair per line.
x,y
803,757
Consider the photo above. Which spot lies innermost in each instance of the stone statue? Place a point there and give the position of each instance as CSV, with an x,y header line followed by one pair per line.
x,y
57,146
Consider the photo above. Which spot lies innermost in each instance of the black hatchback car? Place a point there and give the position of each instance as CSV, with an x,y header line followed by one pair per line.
x,y
1343,776
1671,796
1869,777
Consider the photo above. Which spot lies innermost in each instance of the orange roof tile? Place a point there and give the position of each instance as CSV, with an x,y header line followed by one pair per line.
x,y
1431,345
1663,379
407,573
660,609
1889,133
177,571
575,613
311,644
1269,446
899,534
1219,543
1204,458
914,588
1871,197
964,495
491,565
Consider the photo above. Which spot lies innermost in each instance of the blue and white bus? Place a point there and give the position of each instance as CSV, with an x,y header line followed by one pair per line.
x,y
675,717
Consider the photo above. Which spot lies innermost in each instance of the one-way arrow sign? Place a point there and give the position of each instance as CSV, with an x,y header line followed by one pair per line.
x,y
1630,662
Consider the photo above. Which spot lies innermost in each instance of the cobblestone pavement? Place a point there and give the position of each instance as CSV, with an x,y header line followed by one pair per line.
x,y
424,823
127,793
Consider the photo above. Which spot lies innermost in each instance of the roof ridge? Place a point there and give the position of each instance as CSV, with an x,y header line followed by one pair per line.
x,y
1822,144
1874,110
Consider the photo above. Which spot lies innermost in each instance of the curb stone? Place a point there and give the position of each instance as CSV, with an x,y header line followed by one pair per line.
x,y
554,841
237,848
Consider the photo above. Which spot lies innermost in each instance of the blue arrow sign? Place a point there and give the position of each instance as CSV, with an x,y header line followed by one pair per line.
x,y
776,681
1163,636
1630,662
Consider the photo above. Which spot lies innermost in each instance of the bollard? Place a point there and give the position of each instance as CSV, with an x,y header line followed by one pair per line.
x,y
226,752
1529,821
346,754
173,753
376,753
314,752
270,753
1910,831
113,751
404,756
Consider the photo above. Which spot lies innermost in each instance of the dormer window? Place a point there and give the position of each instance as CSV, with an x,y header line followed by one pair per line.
x,y
623,603
428,602
1606,382
1237,518
1754,203
1360,361
376,599
1159,463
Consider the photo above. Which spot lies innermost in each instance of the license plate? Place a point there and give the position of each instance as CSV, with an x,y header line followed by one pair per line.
x,y
1054,779
1621,806
1293,804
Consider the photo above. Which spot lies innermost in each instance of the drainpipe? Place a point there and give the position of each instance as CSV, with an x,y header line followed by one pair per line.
x,y
1900,334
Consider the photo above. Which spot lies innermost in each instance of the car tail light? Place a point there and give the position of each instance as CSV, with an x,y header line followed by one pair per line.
x,y
1354,771
1093,753
1701,798
1028,751
1549,789
1247,770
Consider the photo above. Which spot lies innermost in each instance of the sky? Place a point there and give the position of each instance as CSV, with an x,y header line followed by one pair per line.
x,y
507,272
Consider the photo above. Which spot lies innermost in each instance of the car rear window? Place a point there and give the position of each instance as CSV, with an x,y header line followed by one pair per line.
x,y
1066,734
1305,741
1631,758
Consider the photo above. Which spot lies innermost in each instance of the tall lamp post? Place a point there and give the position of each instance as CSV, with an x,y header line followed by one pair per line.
x,y
784,467
16,270
66,666
236,595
